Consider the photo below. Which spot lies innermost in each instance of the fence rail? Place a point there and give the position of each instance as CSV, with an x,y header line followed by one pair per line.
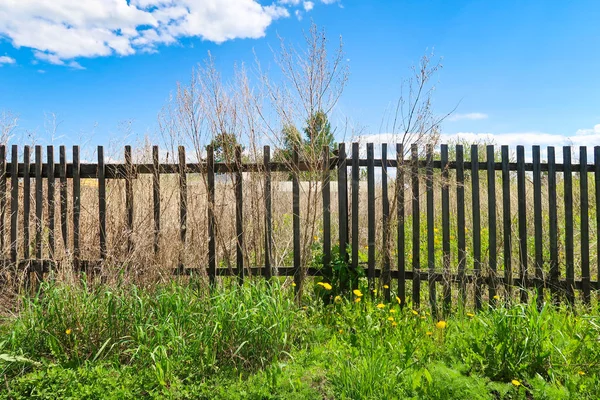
x,y
433,175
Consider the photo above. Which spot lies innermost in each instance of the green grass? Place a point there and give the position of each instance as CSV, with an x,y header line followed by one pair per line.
x,y
254,342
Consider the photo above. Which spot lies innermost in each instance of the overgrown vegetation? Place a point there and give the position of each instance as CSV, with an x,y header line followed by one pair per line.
x,y
254,341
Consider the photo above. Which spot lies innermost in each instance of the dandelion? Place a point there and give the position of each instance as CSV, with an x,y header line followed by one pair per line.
x,y
337,299
341,331
386,287
68,331
357,293
429,333
327,286
357,300
381,306
415,312
391,319
581,373
422,317
441,325
398,300
392,311
316,238
516,383
293,284
496,297
394,324
470,315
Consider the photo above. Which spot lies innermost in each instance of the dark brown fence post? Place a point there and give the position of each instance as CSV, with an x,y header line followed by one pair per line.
x,y
430,230
447,288
212,245
51,201
569,247
298,276
537,218
522,211
182,173
401,257
26,208
597,189
39,218
14,205
371,218
387,275
326,193
156,197
416,231
585,225
507,224
2,200
492,251
101,175
343,202
268,213
76,207
476,229
553,225
355,211
64,207
460,222
129,199
239,209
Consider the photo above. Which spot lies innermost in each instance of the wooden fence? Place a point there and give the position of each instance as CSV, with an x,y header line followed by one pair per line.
x,y
414,176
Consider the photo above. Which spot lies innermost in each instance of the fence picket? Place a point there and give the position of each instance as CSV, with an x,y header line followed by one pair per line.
x,y
268,213
51,201
492,225
461,222
156,197
385,213
553,225
355,219
3,200
39,207
102,202
569,247
416,231
371,218
14,205
430,230
76,207
64,210
239,215
537,222
447,288
400,223
476,229
326,193
584,227
522,211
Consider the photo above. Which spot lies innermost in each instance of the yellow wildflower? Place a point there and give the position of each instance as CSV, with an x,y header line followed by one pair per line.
x,y
293,283
496,297
422,317
357,293
341,331
391,319
357,300
441,325
327,286
392,311
516,382
429,333
381,306
316,238
386,287
470,315
338,299
581,373
68,331
394,324
415,312
398,300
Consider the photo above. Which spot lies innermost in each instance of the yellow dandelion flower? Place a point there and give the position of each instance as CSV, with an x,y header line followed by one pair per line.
x,y
69,331
441,325
357,293
320,283
398,300
581,373
381,306
516,382
391,319
341,331
386,287
429,333
496,297
327,286
293,283
470,315
316,238
393,311
338,299
357,300
422,317
415,312
394,324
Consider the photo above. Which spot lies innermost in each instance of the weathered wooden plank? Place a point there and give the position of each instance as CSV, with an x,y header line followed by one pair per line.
x,y
3,200
476,229
39,207
553,224
400,245
268,272
430,229
76,207
447,288
212,244
26,204
597,190
51,201
156,197
522,211
326,195
492,223
239,215
183,200
461,221
64,202
355,210
569,246
14,205
129,198
537,221
102,202
343,201
585,225
385,205
370,218
416,225
506,223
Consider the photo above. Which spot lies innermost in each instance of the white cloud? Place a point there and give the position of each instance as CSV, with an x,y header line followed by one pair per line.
x,y
468,116
308,5
61,30
6,60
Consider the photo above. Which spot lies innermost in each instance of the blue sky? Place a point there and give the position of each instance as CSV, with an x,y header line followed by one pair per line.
x,y
520,70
